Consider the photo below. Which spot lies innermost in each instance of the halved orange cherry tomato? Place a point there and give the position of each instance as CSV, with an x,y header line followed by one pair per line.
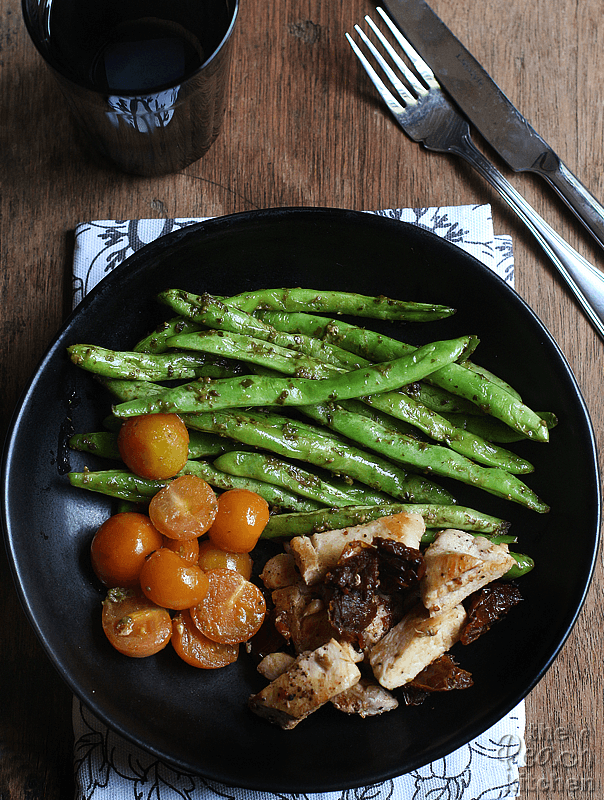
x,y
121,545
171,582
134,625
212,557
186,548
196,649
232,610
154,446
242,516
185,508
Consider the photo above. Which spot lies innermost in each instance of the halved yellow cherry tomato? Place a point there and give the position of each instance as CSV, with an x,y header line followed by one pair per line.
x,y
186,548
232,610
133,624
242,516
154,446
196,649
185,508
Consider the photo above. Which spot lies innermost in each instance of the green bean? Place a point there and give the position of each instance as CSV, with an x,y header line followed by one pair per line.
x,y
493,430
112,424
491,377
130,390
488,396
209,394
299,299
337,332
144,366
125,506
247,348
361,406
208,445
274,495
440,400
435,516
524,564
433,459
104,444
156,342
207,310
430,535
124,485
273,470
292,439
119,483
363,495
400,406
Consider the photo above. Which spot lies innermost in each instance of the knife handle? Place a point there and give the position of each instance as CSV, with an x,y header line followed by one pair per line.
x,y
584,280
576,196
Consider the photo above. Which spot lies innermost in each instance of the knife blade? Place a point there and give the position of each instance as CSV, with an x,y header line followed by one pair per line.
x,y
491,112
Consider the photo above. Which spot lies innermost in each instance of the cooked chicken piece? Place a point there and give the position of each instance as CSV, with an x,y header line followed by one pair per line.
x,y
275,664
458,564
379,625
279,571
312,680
317,554
365,699
301,617
414,643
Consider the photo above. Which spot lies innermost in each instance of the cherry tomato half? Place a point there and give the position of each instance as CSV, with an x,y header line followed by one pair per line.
x,y
154,446
212,557
171,582
242,516
120,546
196,649
185,508
232,610
186,548
134,625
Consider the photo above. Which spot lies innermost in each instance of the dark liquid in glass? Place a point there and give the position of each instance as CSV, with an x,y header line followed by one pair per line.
x,y
146,54
133,46
145,79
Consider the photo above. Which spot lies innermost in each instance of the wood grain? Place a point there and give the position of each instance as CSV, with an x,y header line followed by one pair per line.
x,y
303,128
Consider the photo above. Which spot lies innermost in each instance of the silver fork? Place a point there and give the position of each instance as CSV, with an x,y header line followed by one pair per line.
x,y
425,113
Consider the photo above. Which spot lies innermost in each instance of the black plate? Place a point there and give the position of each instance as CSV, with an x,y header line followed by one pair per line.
x,y
199,720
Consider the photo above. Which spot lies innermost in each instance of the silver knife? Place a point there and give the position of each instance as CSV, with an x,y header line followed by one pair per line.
x,y
487,107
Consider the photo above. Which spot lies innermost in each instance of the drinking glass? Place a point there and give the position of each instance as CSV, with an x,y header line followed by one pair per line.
x,y
146,80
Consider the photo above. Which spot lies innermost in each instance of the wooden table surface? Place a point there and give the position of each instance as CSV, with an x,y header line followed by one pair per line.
x,y
303,128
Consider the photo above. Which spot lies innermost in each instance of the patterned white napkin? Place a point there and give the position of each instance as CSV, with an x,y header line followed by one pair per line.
x,y
109,768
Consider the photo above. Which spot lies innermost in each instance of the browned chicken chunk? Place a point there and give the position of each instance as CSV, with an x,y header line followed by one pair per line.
x,y
365,699
312,680
279,571
414,643
458,564
317,554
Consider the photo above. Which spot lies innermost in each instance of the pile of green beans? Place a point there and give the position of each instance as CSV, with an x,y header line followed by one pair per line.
x,y
332,423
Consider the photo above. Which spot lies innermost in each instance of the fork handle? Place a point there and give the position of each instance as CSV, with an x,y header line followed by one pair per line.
x,y
584,280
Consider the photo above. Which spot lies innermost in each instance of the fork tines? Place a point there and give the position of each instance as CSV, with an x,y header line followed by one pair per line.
x,y
414,87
